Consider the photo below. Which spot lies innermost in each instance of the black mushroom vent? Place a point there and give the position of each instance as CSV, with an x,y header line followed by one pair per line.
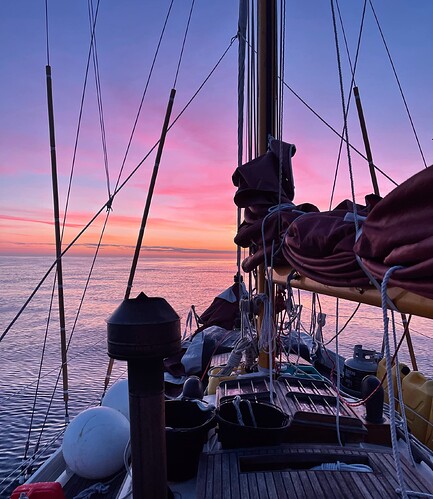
x,y
143,327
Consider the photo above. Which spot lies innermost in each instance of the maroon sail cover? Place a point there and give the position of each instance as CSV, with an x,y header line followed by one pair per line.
x,y
320,245
259,189
399,231
395,230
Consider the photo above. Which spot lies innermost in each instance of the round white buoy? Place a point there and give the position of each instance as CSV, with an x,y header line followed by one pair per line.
x,y
95,441
117,397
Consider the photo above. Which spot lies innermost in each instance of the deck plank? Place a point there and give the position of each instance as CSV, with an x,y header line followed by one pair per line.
x,y
286,481
284,471
279,486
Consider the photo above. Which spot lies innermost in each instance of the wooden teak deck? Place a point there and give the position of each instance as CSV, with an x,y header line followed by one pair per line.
x,y
283,472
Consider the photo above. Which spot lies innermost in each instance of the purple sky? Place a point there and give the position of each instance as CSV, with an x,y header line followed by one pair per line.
x,y
193,205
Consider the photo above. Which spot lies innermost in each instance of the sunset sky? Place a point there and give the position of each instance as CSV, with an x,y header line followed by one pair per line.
x,y
192,210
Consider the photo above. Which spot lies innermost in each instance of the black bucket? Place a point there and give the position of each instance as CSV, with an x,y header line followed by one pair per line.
x,y
271,425
187,426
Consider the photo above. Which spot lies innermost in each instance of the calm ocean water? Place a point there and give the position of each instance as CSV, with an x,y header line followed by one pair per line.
x,y
182,282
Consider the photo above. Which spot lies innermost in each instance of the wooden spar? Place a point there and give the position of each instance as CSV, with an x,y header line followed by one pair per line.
x,y
406,301
267,101
369,155
366,141
150,192
58,240
145,215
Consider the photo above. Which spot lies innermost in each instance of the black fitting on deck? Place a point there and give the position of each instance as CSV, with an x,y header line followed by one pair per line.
x,y
143,331
374,405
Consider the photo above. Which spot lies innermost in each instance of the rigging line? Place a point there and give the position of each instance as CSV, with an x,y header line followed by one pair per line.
x,y
393,430
119,188
145,216
99,94
19,468
399,388
27,446
282,65
254,90
330,126
399,84
281,106
183,43
352,84
38,442
150,192
73,328
144,94
242,28
92,20
56,385
199,88
80,115
58,235
345,325
338,134
352,69
346,130
47,33
71,360
337,408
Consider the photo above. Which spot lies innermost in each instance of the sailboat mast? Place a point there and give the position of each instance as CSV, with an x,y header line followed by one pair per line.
x,y
267,72
267,103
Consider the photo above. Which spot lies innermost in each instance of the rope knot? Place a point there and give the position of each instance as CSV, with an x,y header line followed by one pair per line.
x,y
109,203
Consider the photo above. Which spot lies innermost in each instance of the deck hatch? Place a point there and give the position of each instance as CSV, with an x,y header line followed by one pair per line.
x,y
292,462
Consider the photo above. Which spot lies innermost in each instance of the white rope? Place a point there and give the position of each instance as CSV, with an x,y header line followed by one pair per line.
x,y
97,488
247,331
245,342
339,466
188,324
414,493
235,357
390,387
337,407
387,302
237,403
400,392
266,339
126,456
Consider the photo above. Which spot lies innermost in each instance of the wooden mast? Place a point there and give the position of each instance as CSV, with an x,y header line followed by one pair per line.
x,y
267,102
